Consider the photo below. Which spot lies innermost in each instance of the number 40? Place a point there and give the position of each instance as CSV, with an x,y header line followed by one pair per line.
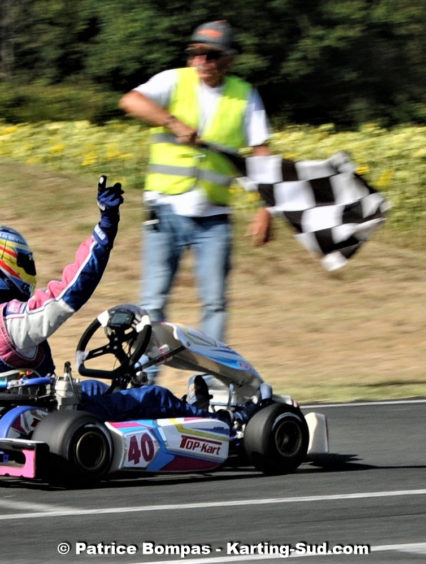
x,y
145,450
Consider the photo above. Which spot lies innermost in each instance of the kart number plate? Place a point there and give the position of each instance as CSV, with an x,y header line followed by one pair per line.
x,y
141,449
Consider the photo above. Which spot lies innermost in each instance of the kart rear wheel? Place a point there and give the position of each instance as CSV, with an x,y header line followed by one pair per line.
x,y
79,443
276,439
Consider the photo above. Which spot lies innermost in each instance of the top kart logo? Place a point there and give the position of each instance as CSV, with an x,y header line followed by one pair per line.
x,y
199,445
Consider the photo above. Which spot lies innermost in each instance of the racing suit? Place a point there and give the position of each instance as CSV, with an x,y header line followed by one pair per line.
x,y
147,402
25,327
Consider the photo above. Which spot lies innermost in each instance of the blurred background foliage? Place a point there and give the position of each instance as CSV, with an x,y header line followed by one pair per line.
x,y
392,159
314,62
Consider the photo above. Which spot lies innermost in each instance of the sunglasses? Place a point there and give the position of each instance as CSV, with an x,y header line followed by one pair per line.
x,y
209,55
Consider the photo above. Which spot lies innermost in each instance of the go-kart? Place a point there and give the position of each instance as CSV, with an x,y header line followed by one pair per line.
x,y
43,434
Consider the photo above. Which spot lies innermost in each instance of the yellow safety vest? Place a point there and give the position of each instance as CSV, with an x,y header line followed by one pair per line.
x,y
175,168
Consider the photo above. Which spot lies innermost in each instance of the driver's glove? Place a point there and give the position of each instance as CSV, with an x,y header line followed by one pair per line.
x,y
109,201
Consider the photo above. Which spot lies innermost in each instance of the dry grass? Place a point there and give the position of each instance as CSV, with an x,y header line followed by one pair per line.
x,y
358,333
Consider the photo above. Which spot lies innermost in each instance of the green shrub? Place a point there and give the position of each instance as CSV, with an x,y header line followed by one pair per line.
x,y
37,102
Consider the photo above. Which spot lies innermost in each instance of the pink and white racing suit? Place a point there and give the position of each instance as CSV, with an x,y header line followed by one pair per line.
x,y
25,326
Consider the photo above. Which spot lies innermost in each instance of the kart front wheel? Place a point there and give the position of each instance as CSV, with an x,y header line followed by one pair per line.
x,y
79,443
276,439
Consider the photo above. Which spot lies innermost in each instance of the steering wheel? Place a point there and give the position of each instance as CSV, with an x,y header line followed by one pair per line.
x,y
128,331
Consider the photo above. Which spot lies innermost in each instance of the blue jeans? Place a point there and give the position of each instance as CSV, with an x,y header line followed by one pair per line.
x,y
210,238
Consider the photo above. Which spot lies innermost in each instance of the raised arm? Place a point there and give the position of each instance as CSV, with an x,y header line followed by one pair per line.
x,y
30,323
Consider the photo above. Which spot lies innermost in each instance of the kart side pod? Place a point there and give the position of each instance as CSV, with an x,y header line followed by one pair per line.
x,y
169,445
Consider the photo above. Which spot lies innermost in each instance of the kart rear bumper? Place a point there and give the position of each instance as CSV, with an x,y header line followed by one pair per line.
x,y
22,458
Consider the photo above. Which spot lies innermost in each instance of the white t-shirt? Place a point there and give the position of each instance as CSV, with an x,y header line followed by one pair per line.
x,y
159,89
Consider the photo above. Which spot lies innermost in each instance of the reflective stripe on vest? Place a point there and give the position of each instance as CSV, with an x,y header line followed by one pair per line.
x,y
175,168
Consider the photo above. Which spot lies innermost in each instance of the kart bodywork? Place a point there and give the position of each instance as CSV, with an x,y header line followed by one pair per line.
x,y
43,435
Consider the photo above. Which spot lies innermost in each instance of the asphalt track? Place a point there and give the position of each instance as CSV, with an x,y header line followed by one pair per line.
x,y
371,490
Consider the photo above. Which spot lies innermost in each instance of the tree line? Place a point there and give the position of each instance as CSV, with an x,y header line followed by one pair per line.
x,y
313,61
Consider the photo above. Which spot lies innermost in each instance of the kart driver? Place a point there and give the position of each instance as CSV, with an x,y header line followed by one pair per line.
x,y
28,317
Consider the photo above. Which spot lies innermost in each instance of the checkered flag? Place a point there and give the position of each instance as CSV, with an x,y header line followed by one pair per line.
x,y
332,209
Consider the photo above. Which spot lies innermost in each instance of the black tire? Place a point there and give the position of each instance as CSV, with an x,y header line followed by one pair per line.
x,y
276,439
80,446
